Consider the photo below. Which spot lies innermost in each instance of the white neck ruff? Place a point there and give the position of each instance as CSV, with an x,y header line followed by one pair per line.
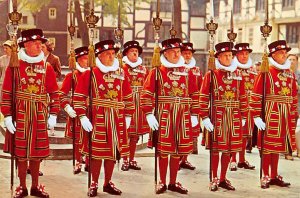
x,y
81,69
29,59
106,69
286,65
167,64
230,68
131,64
243,66
191,64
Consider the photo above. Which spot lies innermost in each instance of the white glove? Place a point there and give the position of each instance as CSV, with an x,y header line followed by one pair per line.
x,y
152,122
128,120
243,122
259,123
86,124
52,121
208,125
298,122
70,111
9,124
194,120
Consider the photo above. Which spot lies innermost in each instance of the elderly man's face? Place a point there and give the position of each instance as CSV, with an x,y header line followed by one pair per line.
x,y
83,61
107,57
243,56
33,48
280,56
225,58
173,55
132,54
187,55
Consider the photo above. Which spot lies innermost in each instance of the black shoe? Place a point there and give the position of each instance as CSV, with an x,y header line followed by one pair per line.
x,y
226,184
125,166
133,165
86,168
265,182
279,182
213,186
161,188
93,190
245,165
187,165
21,192
39,192
233,166
111,189
177,187
77,168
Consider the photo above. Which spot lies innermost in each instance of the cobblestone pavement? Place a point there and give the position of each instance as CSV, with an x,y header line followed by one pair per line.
x,y
61,183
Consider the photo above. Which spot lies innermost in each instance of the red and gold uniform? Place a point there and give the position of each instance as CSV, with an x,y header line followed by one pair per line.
x,y
36,97
280,112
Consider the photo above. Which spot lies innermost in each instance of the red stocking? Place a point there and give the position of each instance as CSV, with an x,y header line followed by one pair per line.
x,y
215,163
95,169
132,147
233,157
108,170
242,153
34,166
266,163
225,159
274,165
174,165
163,164
22,167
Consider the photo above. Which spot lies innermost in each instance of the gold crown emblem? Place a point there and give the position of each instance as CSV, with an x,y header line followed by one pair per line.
x,y
92,19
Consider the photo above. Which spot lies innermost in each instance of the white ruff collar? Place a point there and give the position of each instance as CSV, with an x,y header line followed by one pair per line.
x,y
105,69
167,64
29,59
230,68
243,66
286,65
131,64
81,69
191,64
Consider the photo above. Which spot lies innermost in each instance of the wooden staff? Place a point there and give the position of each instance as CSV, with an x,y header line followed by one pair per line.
x,y
72,66
12,29
156,64
91,21
211,27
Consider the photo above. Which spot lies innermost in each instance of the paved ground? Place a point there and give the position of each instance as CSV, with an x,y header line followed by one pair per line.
x,y
61,183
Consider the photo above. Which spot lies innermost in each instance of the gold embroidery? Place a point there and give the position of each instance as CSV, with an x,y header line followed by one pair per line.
x,y
32,89
229,95
284,91
176,91
111,94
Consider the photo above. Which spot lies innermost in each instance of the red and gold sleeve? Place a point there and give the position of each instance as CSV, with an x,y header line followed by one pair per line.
x,y
64,90
204,96
295,97
255,103
128,98
194,93
243,100
6,103
81,94
148,92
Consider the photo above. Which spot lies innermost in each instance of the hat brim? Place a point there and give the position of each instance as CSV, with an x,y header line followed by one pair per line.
x,y
249,50
233,52
183,49
116,50
140,49
162,51
287,50
44,40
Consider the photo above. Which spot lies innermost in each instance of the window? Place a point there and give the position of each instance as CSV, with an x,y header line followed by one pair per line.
x,y
237,6
250,36
216,8
292,33
52,13
107,33
163,33
24,20
52,40
165,6
260,5
197,8
288,3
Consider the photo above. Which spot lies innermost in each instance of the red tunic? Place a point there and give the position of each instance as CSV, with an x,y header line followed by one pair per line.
x,y
198,75
112,101
248,76
137,76
66,100
36,97
176,93
280,108
229,107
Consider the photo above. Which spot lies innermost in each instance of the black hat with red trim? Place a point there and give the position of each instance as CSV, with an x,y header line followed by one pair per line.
x,y
278,45
188,47
224,47
31,35
132,44
80,51
242,47
171,44
104,46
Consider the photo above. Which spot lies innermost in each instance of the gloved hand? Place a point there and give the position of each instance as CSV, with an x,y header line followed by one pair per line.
x,y
152,122
70,111
52,121
298,122
207,124
86,124
243,122
259,123
9,124
194,120
128,120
